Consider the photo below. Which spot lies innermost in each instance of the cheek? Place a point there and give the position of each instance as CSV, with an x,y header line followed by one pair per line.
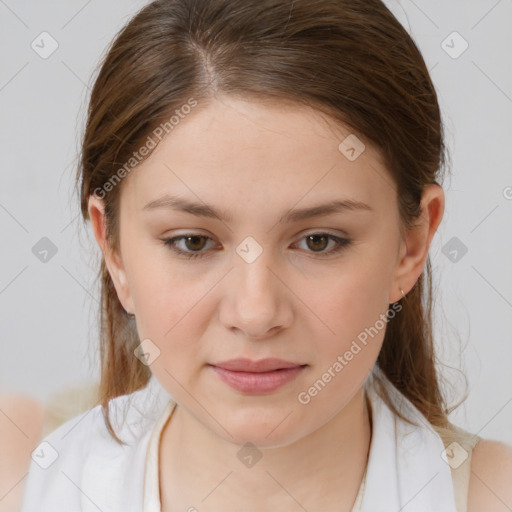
x,y
170,314
161,293
355,312
164,303
352,310
355,300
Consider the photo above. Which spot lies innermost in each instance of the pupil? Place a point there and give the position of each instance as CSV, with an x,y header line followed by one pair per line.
x,y
194,239
316,237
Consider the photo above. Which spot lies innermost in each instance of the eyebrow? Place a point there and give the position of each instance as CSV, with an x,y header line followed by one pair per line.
x,y
294,215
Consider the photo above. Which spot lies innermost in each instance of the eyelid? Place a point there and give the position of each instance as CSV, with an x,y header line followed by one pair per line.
x,y
341,241
307,232
336,233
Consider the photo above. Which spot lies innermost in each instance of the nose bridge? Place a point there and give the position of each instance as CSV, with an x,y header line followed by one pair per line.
x,y
255,279
256,300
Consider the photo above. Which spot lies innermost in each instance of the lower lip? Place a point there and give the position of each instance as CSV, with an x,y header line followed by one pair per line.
x,y
256,383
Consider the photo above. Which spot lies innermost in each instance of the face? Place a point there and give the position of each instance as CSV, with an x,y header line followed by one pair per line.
x,y
262,276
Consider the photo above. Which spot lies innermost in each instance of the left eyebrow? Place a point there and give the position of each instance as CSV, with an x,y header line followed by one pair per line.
x,y
337,206
294,215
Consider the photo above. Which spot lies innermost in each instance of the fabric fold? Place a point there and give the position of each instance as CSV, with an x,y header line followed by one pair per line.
x,y
405,472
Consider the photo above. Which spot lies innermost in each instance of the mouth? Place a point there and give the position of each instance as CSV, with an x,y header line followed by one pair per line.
x,y
263,365
257,377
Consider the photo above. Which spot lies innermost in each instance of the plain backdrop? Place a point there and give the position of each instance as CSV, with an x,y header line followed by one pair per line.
x,y
48,308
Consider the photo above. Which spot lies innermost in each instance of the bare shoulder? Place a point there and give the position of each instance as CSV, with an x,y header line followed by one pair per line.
x,y
490,484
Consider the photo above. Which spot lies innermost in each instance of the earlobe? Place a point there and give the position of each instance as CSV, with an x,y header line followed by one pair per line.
x,y
113,260
415,247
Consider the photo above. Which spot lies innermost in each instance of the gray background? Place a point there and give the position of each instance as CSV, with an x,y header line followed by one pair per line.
x,y
48,309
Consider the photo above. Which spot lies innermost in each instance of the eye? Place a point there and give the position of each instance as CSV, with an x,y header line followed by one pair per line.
x,y
194,243
319,241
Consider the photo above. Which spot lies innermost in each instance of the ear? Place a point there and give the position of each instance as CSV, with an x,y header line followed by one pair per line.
x,y
113,260
414,249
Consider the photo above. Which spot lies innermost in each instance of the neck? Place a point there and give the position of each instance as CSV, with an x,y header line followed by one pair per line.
x,y
322,471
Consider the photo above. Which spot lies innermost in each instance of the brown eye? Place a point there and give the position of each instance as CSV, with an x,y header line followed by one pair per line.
x,y
192,245
194,242
317,242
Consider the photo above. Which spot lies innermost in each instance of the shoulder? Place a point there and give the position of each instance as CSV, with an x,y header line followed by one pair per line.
x,y
72,459
57,462
66,443
81,456
490,485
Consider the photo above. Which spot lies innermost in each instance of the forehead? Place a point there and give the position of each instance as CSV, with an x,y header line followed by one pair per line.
x,y
250,153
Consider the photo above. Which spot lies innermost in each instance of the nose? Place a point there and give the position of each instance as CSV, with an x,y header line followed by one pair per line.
x,y
257,303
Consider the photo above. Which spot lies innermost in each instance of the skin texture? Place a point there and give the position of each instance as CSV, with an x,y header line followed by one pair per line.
x,y
257,161
490,485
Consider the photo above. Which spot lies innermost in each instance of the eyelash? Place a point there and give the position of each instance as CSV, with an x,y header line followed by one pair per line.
x,y
342,243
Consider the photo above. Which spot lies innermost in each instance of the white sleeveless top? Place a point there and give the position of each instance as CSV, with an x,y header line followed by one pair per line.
x,y
406,469
151,479
80,467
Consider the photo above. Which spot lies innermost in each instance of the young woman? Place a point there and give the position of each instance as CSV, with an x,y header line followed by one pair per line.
x,y
263,180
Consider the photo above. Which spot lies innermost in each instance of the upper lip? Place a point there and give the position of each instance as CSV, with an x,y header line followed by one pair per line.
x,y
262,365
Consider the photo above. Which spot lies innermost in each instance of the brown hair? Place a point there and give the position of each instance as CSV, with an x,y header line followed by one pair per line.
x,y
350,59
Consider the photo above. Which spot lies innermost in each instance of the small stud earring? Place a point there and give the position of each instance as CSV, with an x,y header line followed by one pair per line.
x,y
403,294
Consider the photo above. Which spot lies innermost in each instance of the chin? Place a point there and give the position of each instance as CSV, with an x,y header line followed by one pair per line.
x,y
269,432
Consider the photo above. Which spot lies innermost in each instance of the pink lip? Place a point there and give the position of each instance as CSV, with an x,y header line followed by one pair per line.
x,y
263,365
255,377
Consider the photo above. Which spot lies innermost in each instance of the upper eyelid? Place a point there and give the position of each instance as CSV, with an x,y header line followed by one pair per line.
x,y
177,238
308,233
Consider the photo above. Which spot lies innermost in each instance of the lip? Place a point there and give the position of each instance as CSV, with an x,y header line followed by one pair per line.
x,y
262,365
257,377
